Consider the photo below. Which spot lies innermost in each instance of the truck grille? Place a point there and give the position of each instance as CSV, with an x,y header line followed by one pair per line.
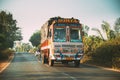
x,y
68,45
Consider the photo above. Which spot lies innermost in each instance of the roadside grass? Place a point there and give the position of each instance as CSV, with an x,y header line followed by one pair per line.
x,y
90,61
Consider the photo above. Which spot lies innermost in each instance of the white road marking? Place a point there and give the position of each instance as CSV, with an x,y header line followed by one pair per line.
x,y
73,78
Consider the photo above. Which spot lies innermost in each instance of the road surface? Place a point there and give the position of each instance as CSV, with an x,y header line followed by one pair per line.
x,y
25,66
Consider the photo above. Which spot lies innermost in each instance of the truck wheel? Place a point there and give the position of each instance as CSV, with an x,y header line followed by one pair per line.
x,y
43,59
51,62
77,63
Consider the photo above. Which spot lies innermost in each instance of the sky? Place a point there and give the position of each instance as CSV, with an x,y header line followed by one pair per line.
x,y
32,14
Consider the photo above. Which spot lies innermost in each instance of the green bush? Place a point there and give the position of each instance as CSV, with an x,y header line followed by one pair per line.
x,y
5,54
108,54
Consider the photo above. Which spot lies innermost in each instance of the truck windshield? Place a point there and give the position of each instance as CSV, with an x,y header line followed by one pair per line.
x,y
59,35
75,35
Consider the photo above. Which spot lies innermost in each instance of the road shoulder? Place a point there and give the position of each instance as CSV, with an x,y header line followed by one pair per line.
x,y
4,64
111,69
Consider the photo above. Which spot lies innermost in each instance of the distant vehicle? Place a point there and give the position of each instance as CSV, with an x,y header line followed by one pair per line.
x,y
61,40
37,53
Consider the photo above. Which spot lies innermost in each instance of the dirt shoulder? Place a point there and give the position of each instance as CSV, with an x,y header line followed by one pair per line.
x,y
5,63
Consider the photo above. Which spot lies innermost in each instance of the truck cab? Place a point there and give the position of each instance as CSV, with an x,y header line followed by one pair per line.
x,y
63,42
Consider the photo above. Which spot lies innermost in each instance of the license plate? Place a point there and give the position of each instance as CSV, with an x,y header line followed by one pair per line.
x,y
69,58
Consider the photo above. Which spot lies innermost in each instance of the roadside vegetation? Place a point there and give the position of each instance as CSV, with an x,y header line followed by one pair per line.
x,y
9,32
23,47
104,49
35,40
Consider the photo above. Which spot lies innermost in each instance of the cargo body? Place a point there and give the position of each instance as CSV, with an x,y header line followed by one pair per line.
x,y
61,40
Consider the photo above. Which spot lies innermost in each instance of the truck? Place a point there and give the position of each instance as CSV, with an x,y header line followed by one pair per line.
x,y
61,41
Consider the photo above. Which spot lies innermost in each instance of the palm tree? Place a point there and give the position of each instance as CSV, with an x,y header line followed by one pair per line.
x,y
117,27
112,34
98,31
106,28
85,30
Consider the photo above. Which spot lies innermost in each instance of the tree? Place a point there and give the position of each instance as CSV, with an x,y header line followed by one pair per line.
x,y
98,31
25,47
110,34
35,38
9,32
106,29
85,29
117,27
91,43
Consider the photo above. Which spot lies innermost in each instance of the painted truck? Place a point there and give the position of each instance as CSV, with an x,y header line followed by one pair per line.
x,y
61,40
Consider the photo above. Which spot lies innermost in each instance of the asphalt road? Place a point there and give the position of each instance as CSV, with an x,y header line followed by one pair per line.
x,y
25,66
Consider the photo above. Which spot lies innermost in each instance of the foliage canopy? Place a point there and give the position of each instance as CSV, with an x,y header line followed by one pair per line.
x,y
9,32
101,51
35,39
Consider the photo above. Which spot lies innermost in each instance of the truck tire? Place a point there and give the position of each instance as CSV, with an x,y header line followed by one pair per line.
x,y
77,63
51,62
43,61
